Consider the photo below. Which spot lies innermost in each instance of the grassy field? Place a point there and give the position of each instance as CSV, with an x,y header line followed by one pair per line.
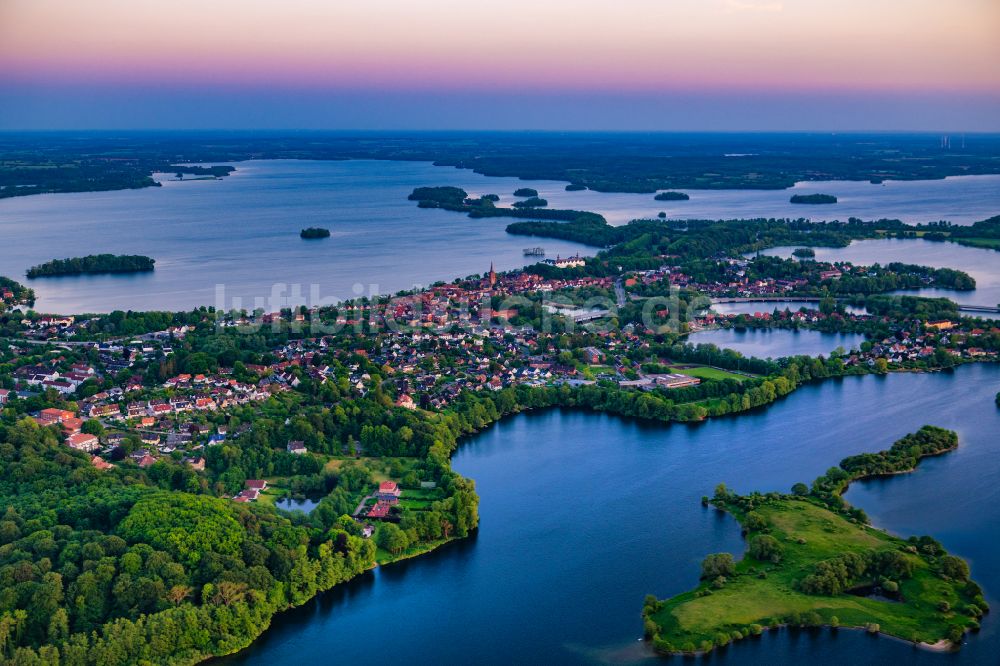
x,y
764,593
705,372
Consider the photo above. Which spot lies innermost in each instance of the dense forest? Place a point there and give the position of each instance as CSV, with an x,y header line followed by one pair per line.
x,y
93,264
109,567
608,162
702,237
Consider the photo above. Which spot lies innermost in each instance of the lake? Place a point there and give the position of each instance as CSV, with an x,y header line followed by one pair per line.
x,y
776,342
583,514
961,200
763,307
983,265
241,232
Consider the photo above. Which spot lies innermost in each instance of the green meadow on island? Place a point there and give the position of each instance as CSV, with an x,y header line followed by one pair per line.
x,y
814,561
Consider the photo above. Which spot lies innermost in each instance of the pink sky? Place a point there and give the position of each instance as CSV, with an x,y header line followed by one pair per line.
x,y
630,45
547,64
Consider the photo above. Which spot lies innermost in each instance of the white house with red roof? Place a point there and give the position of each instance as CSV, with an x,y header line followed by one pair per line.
x,y
388,491
81,441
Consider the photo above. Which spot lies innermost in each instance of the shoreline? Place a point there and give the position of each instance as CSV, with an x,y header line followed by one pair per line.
x,y
939,646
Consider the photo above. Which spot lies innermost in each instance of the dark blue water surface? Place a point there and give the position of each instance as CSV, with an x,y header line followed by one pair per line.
x,y
776,342
582,514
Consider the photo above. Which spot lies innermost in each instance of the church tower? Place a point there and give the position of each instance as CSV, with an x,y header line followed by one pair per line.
x,y
492,276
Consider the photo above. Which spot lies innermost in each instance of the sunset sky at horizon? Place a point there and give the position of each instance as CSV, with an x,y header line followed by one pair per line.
x,y
588,64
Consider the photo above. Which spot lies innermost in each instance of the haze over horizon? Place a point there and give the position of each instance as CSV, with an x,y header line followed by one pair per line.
x,y
905,65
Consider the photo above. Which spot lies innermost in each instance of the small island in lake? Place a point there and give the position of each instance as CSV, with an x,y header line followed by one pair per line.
x,y
804,253
532,202
813,199
457,199
314,232
93,264
815,561
525,192
671,196
575,187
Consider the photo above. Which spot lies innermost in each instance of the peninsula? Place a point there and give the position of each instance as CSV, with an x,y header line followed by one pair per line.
x,y
92,265
814,561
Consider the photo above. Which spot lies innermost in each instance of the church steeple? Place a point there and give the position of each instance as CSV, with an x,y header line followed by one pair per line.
x,y
492,276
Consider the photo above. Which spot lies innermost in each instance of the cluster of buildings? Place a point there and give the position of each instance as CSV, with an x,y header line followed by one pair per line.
x,y
386,497
251,490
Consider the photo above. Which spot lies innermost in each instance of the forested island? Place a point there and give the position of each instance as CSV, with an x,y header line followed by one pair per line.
x,y
92,265
804,253
813,199
531,202
314,232
458,200
672,196
813,560
525,192
575,187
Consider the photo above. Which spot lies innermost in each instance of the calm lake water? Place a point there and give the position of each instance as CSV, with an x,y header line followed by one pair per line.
x,y
772,343
961,200
242,231
983,265
767,308
583,514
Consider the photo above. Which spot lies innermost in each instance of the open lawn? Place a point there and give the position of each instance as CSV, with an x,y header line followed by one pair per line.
x,y
706,372
420,499
765,593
